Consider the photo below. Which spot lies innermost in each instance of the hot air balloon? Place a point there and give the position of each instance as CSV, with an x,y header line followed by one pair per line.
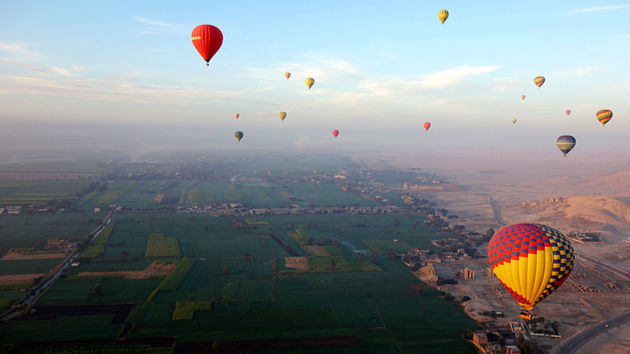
x,y
282,115
427,125
236,115
514,121
539,80
568,111
335,133
565,143
442,15
207,39
309,82
530,260
523,97
604,115
287,75
238,135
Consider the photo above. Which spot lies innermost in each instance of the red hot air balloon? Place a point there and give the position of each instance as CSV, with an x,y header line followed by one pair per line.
x,y
427,125
568,111
207,39
335,133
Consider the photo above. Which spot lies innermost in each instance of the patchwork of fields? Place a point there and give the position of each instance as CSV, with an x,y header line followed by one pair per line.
x,y
230,285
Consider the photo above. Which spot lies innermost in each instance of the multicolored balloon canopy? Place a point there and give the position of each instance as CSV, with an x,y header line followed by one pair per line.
x,y
565,143
530,260
539,80
604,115
238,135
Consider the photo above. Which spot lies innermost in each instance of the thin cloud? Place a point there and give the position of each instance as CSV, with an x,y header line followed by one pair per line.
x,y
599,8
17,49
151,26
114,90
150,22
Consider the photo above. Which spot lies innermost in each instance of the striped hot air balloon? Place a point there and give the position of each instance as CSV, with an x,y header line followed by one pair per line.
x,y
530,260
604,115
565,143
442,15
539,80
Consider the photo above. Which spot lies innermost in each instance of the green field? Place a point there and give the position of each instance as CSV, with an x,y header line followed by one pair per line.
x,y
30,232
225,289
162,246
28,266
37,192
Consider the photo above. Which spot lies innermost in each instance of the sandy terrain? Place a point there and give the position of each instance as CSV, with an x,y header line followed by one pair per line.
x,y
19,278
153,270
614,341
14,256
316,250
299,263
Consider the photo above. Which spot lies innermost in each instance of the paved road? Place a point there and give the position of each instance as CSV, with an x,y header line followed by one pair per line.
x,y
496,210
574,343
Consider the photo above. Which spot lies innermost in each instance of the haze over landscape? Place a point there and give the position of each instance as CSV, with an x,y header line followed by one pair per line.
x,y
130,217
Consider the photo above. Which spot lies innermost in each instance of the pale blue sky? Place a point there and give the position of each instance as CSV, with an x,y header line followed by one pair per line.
x,y
381,69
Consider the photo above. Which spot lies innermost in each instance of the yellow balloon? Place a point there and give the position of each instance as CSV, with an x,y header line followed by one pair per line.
x,y
287,75
309,82
442,15
282,115
531,260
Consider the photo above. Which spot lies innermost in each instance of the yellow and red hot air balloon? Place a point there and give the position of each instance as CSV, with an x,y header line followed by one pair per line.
x,y
604,115
282,115
287,75
310,82
236,115
523,97
539,80
442,15
335,133
530,260
207,39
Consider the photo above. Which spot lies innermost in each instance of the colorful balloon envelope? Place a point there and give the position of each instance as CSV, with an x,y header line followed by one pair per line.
x,y
236,115
287,75
530,260
442,15
523,97
565,143
539,80
427,125
310,82
238,135
207,39
604,115
335,133
568,111
282,115
514,121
